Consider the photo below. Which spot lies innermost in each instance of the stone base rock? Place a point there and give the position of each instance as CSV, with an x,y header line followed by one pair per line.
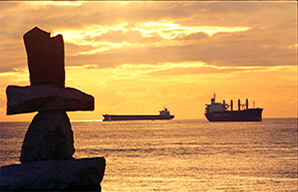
x,y
71,175
46,98
49,136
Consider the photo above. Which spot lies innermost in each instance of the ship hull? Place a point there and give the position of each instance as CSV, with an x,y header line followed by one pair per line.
x,y
136,117
243,115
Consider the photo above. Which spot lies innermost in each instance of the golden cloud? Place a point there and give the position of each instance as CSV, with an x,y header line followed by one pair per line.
x,y
168,31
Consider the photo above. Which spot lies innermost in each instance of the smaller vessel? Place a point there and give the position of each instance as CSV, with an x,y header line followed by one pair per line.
x,y
163,115
224,112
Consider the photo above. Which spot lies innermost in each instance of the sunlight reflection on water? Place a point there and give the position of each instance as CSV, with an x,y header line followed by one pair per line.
x,y
182,155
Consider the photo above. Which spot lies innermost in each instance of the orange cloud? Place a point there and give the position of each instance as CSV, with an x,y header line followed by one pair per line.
x,y
156,54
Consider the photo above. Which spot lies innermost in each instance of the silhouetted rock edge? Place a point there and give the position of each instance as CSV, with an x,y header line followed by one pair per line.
x,y
46,98
71,175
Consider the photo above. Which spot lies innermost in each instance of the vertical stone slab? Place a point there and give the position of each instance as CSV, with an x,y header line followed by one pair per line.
x,y
45,57
49,137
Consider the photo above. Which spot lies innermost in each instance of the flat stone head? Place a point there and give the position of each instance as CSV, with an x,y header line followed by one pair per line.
x,y
45,57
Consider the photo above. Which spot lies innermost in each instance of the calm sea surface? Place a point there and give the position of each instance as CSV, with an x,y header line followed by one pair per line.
x,y
181,155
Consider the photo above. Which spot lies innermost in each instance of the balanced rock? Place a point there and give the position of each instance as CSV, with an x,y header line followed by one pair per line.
x,y
70,175
45,57
46,98
46,154
49,136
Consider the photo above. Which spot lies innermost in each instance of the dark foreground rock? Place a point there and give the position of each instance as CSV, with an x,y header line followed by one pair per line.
x,y
46,98
49,136
45,57
46,156
71,175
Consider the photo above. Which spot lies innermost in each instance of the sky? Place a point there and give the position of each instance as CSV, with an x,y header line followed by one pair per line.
x,y
139,57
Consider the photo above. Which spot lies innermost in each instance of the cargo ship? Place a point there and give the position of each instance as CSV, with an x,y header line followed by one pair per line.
x,y
163,115
224,112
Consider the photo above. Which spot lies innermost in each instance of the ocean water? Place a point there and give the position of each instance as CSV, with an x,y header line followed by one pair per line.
x,y
181,155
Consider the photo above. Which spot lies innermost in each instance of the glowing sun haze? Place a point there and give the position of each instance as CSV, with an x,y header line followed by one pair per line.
x,y
138,57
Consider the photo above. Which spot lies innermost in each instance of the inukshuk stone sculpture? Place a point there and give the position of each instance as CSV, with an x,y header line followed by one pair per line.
x,y
49,136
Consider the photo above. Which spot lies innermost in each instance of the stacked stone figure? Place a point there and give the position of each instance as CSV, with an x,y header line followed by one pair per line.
x,y
49,139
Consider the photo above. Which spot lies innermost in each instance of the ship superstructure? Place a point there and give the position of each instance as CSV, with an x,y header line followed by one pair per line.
x,y
224,112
